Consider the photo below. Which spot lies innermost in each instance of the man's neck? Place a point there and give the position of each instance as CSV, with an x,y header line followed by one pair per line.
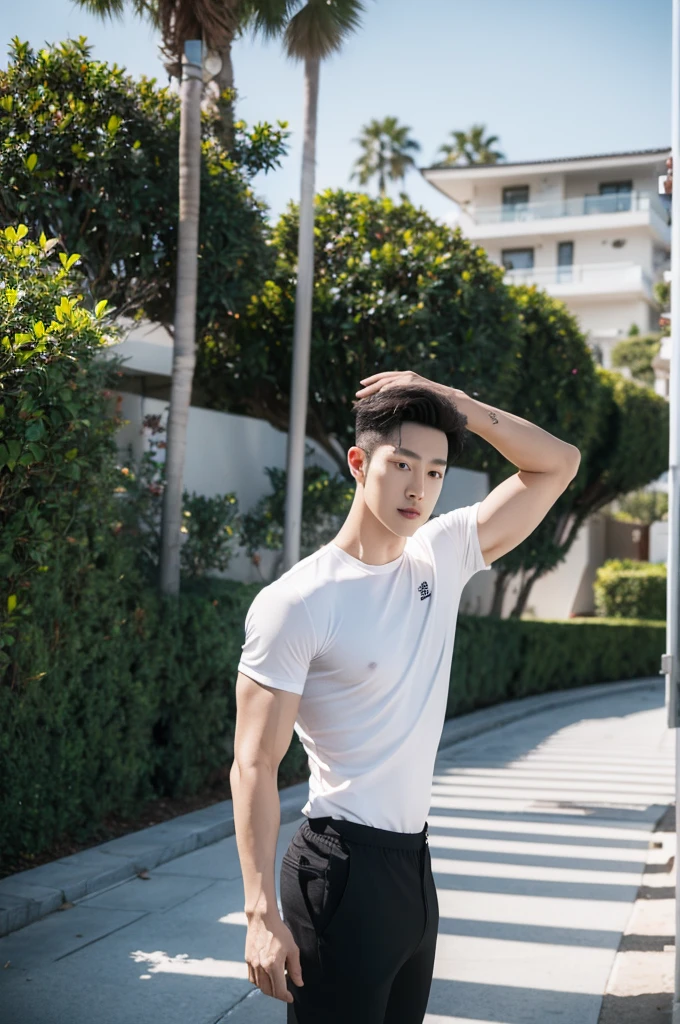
x,y
364,537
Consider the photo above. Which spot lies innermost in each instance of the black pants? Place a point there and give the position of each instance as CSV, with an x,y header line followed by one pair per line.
x,y
361,904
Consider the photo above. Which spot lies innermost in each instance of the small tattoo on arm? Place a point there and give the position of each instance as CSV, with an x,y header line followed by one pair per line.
x,y
493,417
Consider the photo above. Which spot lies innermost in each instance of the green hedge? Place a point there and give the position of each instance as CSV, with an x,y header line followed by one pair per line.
x,y
625,588
504,659
117,699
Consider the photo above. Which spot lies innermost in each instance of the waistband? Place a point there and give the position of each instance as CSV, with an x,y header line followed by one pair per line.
x,y
367,834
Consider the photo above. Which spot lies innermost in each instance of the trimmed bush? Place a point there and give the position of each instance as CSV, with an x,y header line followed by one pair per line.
x,y
504,659
628,589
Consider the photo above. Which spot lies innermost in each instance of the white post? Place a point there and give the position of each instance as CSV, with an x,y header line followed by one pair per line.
x,y
303,327
671,665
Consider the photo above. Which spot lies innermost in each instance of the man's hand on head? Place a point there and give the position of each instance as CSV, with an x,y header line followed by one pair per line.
x,y
398,378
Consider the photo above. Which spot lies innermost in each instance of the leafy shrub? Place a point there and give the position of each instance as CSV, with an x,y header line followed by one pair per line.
x,y
629,589
642,507
57,448
326,500
638,353
210,527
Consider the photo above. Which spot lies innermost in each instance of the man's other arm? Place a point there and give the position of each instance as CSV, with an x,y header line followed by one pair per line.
x,y
264,727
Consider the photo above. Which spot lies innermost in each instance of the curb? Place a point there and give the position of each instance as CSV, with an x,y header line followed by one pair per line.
x,y
29,895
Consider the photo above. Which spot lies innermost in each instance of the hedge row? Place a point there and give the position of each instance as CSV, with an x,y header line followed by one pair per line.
x,y
505,659
118,700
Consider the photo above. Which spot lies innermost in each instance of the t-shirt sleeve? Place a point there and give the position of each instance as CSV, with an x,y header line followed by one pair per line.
x,y
454,534
280,641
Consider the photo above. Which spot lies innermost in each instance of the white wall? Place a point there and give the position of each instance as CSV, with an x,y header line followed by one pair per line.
x,y
658,542
595,247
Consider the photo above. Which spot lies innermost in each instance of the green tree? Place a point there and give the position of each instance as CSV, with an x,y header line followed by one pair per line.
x,y
394,289
629,448
387,153
637,352
557,388
470,147
91,155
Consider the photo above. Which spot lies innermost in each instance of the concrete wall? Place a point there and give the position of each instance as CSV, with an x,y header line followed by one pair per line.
x,y
595,247
567,589
658,542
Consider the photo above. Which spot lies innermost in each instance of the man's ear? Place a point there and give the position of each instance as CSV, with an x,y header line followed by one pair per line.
x,y
356,460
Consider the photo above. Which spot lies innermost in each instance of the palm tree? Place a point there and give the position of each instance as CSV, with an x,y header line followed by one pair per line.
x,y
185,26
387,151
317,30
470,147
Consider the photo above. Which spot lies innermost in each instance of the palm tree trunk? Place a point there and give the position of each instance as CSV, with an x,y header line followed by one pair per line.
x,y
295,461
184,343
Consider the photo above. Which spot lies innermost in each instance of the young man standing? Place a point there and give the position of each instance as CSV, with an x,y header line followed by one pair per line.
x,y
352,648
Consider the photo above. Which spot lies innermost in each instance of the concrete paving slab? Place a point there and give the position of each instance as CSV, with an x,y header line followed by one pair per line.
x,y
182,966
158,892
256,1007
56,936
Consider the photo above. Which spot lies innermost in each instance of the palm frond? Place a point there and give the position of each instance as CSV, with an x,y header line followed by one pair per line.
x,y
387,148
267,18
320,28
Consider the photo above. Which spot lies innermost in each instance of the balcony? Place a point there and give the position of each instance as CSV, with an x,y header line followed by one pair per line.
x,y
599,280
578,206
620,211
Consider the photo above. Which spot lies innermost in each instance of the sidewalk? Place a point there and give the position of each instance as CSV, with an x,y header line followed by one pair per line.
x,y
540,828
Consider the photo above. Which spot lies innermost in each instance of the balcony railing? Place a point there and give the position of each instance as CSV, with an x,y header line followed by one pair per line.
x,y
592,277
577,206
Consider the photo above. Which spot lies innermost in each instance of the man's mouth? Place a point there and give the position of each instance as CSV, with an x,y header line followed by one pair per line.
x,y
409,513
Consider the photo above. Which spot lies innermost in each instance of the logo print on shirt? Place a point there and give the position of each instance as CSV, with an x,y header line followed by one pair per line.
x,y
424,591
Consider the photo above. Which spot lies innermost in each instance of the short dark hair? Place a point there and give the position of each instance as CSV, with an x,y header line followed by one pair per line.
x,y
379,417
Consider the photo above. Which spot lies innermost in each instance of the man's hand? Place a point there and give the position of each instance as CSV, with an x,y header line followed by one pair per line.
x,y
398,378
270,949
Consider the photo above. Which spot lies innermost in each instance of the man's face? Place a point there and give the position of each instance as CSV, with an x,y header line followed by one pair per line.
x,y
405,476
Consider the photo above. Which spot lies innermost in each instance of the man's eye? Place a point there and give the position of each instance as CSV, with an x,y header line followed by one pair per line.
x,y
403,464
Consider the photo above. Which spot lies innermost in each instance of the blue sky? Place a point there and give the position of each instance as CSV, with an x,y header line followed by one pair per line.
x,y
552,78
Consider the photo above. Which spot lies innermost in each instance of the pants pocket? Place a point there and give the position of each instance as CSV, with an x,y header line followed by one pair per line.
x,y
323,875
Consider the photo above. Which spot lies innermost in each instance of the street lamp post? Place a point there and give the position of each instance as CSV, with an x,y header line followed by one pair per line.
x,y
670,665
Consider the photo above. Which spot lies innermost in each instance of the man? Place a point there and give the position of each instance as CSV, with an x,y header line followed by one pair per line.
x,y
352,648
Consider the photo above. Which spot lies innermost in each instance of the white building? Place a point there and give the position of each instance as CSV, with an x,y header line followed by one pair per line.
x,y
592,231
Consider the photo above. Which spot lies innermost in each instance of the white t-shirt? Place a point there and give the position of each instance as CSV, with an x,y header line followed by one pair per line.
x,y
369,647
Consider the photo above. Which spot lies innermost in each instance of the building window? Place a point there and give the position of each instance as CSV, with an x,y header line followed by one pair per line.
x,y
515,202
615,196
565,261
517,259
